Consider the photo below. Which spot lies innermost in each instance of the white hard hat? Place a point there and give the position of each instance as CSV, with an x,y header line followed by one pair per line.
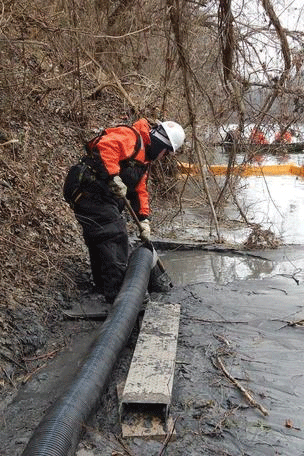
x,y
175,133
170,134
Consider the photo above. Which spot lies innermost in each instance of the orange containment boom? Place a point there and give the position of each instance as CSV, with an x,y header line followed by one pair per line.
x,y
247,170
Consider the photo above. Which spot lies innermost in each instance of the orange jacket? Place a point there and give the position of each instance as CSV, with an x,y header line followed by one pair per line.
x,y
118,144
286,138
258,137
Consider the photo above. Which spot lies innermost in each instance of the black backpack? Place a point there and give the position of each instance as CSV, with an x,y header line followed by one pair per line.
x,y
73,183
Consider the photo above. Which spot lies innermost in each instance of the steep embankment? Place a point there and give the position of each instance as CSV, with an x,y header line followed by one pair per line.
x,y
43,256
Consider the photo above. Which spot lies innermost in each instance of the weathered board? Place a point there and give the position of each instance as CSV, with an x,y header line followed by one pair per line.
x,y
148,389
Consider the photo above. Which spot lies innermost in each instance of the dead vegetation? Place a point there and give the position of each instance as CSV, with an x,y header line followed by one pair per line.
x,y
261,239
69,68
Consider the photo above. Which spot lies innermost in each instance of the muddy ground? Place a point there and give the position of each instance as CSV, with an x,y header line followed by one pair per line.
x,y
252,329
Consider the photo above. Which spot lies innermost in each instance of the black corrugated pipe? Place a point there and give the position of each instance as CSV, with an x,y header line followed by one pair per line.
x,y
59,431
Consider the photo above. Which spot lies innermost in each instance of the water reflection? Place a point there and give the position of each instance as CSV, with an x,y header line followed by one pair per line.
x,y
191,267
194,267
276,202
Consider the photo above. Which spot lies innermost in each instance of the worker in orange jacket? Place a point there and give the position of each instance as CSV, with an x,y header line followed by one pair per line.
x,y
258,137
116,166
284,138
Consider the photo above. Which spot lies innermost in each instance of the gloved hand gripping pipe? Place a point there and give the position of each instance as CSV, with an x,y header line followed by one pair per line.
x,y
135,218
60,430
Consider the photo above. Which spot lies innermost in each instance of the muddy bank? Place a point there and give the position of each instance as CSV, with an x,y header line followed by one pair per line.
x,y
253,327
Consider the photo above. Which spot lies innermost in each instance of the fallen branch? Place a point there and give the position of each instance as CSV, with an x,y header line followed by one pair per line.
x,y
296,323
248,396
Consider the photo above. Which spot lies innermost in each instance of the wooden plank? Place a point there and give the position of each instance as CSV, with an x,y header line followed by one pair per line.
x,y
150,378
148,388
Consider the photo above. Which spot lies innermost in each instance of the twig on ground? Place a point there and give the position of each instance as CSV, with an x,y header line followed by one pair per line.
x,y
168,437
29,376
8,377
296,323
12,360
292,323
248,396
222,339
218,427
203,320
124,446
45,355
11,141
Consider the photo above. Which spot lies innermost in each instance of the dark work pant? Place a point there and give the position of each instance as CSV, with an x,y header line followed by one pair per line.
x,y
108,262
106,237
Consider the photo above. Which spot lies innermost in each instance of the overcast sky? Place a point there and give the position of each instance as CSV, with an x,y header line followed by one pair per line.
x,y
252,15
288,11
